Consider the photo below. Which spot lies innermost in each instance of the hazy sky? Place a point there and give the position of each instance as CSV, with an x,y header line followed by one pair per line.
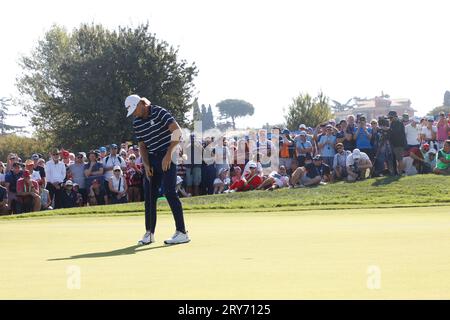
x,y
267,52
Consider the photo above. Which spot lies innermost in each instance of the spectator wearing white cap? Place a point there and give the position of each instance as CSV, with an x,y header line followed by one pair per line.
x,y
412,131
109,162
35,157
118,186
358,165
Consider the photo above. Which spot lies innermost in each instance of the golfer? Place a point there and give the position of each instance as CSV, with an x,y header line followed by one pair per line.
x,y
158,134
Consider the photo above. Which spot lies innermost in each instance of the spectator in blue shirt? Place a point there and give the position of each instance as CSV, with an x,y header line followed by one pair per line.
x,y
363,136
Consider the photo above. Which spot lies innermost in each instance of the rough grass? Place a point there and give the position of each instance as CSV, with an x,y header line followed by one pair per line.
x,y
415,191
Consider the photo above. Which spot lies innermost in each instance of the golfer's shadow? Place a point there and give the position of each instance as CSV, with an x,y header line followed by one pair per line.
x,y
113,253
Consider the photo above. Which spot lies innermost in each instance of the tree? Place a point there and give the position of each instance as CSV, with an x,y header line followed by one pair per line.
x,y
308,110
5,103
209,119
197,116
23,146
233,108
78,81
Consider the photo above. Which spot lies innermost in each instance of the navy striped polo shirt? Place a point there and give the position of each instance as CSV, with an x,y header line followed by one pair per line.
x,y
154,131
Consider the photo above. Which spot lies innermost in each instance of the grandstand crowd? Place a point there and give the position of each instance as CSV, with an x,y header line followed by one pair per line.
x,y
352,149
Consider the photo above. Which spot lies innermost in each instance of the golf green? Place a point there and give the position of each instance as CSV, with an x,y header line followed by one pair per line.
x,y
359,254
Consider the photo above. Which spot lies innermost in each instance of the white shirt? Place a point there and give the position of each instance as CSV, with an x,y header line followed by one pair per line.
x,y
36,176
55,172
412,134
428,132
350,161
115,183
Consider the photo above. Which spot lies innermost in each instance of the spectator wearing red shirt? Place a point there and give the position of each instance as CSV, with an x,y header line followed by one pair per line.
x,y
28,192
250,181
133,176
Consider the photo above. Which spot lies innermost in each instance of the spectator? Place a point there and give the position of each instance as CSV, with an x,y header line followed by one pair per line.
x,y
443,160
11,179
429,132
287,148
350,130
222,156
118,186
4,209
222,181
93,170
237,174
311,174
35,175
397,140
442,130
358,165
39,168
304,148
109,162
123,153
102,153
134,175
12,158
362,137
276,179
193,165
46,201
430,161
326,144
97,195
65,156
412,131
2,173
56,174
76,189
339,162
259,169
78,177
250,181
208,167
68,195
28,197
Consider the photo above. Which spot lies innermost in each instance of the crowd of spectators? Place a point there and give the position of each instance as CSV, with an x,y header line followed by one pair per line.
x,y
352,149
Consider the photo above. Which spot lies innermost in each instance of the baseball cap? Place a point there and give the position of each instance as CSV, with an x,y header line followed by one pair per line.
x,y
252,165
114,146
317,157
131,103
285,131
102,149
69,183
405,116
356,154
302,133
35,156
392,113
415,119
117,168
223,170
302,126
430,119
65,154
426,146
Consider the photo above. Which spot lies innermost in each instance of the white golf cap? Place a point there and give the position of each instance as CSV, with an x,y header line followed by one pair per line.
x,y
356,154
69,183
302,126
131,103
252,165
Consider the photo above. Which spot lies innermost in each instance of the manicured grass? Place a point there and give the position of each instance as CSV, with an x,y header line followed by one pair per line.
x,y
274,255
420,190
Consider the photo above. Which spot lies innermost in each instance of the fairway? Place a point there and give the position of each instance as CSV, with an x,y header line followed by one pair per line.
x,y
277,255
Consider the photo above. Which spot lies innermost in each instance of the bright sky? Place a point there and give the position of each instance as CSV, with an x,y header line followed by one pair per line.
x,y
267,52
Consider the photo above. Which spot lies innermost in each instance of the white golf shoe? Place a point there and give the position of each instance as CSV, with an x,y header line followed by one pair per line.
x,y
178,237
147,239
